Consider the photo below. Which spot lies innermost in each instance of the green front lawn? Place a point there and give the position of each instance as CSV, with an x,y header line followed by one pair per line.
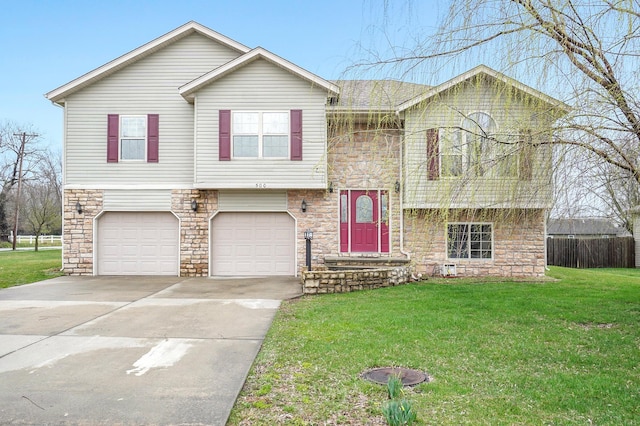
x,y
564,352
23,267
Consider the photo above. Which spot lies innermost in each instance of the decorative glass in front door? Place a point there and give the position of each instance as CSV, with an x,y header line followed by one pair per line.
x,y
364,221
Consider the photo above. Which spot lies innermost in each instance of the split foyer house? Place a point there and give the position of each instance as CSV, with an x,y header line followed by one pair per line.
x,y
195,155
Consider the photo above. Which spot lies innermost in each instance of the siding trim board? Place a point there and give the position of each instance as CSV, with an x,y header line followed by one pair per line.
x,y
137,200
252,201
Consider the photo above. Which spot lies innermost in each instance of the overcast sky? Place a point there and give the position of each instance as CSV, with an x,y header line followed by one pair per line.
x,y
45,44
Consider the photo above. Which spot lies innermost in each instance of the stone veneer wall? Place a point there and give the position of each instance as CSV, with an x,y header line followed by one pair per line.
x,y
321,217
321,282
518,242
360,156
78,230
194,229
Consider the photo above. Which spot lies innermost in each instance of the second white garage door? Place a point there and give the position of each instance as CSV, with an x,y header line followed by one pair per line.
x,y
252,244
138,243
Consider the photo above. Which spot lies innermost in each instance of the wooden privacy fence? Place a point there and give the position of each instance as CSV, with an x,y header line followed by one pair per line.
x,y
616,252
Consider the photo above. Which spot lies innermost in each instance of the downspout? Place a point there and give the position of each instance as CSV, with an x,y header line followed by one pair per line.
x,y
402,180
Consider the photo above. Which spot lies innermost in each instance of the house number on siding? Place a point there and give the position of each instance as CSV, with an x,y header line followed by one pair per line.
x,y
261,185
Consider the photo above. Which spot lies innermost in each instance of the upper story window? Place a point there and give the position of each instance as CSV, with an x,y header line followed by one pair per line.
x,y
260,134
133,137
476,149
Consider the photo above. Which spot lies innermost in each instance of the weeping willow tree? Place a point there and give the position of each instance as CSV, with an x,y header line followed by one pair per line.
x,y
466,160
482,147
586,53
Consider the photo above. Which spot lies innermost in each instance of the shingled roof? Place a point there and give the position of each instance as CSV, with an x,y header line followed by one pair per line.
x,y
375,95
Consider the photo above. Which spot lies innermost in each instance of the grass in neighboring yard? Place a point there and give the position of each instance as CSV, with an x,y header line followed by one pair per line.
x,y
26,244
23,267
564,352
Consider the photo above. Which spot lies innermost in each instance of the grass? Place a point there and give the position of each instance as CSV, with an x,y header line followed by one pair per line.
x,y
564,352
27,244
23,267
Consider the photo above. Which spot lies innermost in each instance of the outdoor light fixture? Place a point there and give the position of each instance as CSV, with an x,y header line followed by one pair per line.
x,y
308,236
331,187
79,207
397,187
194,205
303,206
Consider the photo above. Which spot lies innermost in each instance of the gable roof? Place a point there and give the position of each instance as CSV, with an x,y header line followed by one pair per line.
x,y
483,70
188,90
58,95
584,226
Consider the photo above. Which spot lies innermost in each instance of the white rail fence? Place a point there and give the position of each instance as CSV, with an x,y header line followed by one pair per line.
x,y
31,239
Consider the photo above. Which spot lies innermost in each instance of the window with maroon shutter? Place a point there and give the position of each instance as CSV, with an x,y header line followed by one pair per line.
x,y
133,138
296,134
433,155
224,135
113,137
260,135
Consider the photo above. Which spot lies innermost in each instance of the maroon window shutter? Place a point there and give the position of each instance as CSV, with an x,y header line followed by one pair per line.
x,y
113,135
433,154
153,139
296,134
224,134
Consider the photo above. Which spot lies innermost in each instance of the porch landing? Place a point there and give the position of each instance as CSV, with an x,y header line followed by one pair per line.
x,y
341,263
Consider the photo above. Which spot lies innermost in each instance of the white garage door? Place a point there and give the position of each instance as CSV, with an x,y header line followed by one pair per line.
x,y
252,244
137,243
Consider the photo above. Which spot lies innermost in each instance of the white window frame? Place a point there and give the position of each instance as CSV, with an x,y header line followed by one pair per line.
x,y
461,138
468,257
122,138
261,134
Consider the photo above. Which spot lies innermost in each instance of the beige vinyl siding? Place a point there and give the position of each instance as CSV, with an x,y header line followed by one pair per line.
x,y
149,86
137,200
244,201
261,86
511,114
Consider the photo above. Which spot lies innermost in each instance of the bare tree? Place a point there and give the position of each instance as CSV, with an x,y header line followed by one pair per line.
x,y
585,52
42,209
20,159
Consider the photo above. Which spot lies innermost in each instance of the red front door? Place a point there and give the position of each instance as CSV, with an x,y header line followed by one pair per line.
x,y
364,221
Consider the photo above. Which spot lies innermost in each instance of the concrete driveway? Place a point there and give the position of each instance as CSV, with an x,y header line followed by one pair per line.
x,y
131,350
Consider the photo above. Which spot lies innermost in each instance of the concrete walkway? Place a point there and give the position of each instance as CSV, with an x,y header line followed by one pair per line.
x,y
131,350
